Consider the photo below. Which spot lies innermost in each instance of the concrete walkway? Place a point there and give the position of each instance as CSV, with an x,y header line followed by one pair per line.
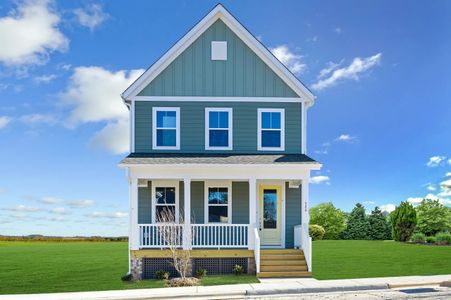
x,y
240,291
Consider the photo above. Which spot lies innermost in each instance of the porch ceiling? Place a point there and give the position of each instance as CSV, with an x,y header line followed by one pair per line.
x,y
213,158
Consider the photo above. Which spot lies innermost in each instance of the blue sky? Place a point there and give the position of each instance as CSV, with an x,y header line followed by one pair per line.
x,y
380,125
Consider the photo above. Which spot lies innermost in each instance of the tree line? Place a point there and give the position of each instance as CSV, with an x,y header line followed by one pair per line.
x,y
428,218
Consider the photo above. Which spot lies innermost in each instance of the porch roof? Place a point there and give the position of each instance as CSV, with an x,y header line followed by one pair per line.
x,y
215,158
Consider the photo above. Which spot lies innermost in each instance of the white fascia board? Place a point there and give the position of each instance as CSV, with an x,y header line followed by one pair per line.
x,y
219,12
219,99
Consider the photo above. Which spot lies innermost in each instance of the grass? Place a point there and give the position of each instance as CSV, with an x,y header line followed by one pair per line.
x,y
359,259
47,267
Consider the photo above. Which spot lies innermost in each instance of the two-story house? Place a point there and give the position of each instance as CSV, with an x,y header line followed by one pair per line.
x,y
218,138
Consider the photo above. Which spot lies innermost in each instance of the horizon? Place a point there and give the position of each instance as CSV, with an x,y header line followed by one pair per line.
x,y
379,126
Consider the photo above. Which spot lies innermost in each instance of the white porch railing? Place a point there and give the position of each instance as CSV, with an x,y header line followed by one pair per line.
x,y
160,235
202,235
303,240
219,235
257,250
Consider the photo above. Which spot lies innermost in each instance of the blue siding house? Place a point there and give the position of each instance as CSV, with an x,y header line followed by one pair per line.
x,y
218,143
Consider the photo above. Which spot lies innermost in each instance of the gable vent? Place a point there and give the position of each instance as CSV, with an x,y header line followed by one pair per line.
x,y
218,50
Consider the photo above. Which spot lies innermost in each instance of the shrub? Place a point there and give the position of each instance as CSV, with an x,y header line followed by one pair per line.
x,y
443,238
418,237
358,227
187,281
162,275
316,231
379,226
201,273
403,221
433,217
127,277
430,239
330,218
238,270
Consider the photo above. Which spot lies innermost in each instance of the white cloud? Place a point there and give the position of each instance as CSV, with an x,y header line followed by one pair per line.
x,y
448,174
81,203
369,202
430,187
388,207
58,210
37,118
320,179
352,71
109,215
346,138
291,60
45,78
434,161
23,208
94,96
331,66
29,34
4,121
91,17
449,161
446,185
50,200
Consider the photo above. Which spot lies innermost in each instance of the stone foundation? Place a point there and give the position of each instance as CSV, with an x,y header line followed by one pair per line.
x,y
136,268
251,266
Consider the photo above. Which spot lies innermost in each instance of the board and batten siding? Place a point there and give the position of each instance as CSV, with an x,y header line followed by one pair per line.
x,y
193,73
192,126
293,208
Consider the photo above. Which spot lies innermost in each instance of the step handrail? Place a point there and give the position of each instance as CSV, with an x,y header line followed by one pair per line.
x,y
257,250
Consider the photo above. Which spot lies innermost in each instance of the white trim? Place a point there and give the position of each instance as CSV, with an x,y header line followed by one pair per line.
x,y
282,129
219,12
218,184
165,183
132,127
219,99
218,50
154,128
229,129
303,128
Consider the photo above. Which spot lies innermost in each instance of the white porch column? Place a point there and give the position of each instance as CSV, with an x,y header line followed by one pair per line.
x,y
306,239
134,228
305,216
252,211
187,214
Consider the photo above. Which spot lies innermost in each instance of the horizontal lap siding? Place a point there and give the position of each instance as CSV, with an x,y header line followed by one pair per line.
x,y
193,73
293,209
197,201
240,202
144,205
192,131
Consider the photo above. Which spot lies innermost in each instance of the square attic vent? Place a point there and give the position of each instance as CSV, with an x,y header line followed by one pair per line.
x,y
218,50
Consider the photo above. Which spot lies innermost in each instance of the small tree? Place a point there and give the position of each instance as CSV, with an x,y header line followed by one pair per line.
x,y
172,236
357,227
379,226
403,221
433,217
330,218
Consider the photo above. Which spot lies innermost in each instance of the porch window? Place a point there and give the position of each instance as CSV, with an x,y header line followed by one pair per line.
x,y
218,129
164,202
166,128
218,205
271,129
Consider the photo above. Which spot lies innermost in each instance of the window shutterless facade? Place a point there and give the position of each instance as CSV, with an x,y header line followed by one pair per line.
x,y
218,129
218,206
165,204
271,129
166,128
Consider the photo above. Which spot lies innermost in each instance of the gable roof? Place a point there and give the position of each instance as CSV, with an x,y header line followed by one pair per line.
x,y
219,12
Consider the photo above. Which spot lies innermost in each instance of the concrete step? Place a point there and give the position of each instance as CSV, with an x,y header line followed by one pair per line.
x,y
284,274
279,268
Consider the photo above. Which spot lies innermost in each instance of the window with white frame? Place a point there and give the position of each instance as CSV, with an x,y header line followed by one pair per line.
x,y
271,129
218,203
218,128
165,202
166,128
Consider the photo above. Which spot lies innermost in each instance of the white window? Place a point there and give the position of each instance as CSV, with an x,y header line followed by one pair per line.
x,y
218,50
166,128
165,201
218,129
271,129
218,202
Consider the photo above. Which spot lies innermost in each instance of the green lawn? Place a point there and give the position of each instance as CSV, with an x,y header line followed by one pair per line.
x,y
354,259
45,267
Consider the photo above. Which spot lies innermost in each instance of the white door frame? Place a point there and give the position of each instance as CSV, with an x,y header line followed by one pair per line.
x,y
282,185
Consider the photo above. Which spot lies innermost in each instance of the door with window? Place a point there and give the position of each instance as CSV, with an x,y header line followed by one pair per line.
x,y
270,203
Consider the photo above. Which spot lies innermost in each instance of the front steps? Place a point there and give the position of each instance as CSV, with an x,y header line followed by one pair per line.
x,y
282,263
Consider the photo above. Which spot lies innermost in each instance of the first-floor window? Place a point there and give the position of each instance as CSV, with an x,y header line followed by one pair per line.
x,y
165,204
218,205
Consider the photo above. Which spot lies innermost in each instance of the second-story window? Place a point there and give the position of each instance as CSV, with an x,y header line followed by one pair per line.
x,y
218,129
166,128
271,129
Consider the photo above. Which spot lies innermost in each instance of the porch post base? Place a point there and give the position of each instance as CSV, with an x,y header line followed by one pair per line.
x,y
136,268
